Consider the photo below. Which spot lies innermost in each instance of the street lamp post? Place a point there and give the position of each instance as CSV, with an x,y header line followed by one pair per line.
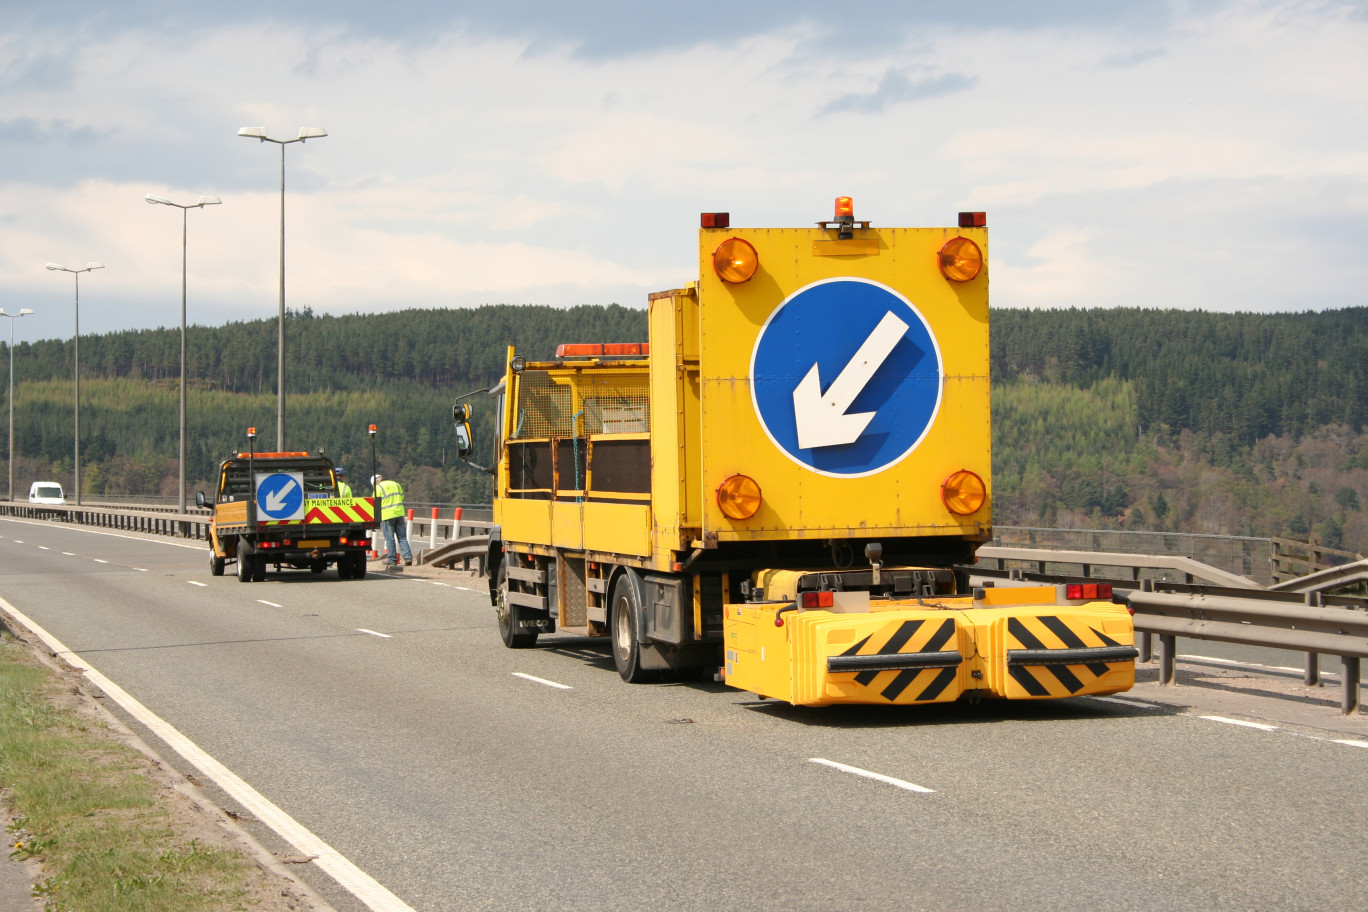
x,y
76,359
23,312
259,133
184,208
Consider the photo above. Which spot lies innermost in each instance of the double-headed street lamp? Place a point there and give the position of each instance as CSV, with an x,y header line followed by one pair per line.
x,y
184,208
76,358
24,312
259,133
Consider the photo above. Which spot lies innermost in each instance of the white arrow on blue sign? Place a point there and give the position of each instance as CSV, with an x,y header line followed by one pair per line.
x,y
846,377
280,495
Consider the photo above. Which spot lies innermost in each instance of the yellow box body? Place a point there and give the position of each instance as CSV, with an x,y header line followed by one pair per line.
x,y
694,410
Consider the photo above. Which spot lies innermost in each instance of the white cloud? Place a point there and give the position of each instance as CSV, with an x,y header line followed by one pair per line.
x,y
465,167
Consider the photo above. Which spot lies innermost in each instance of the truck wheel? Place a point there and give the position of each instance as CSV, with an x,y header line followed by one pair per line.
x,y
358,566
216,564
318,566
344,567
514,637
622,626
245,561
258,567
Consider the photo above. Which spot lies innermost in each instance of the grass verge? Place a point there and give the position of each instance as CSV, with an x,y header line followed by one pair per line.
x,y
85,808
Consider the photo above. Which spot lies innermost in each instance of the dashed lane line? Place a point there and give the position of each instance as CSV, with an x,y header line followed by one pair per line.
x,y
1124,702
1350,742
197,583
536,680
272,604
877,777
1259,725
374,633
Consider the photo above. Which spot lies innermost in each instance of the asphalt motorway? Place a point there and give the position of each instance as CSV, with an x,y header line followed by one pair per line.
x,y
386,717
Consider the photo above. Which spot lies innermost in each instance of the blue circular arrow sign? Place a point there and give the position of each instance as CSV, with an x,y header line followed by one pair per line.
x,y
846,377
280,496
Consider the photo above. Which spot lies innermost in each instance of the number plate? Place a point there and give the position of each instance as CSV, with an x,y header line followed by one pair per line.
x,y
315,543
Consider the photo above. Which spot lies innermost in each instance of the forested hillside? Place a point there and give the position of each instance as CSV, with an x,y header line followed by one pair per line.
x,y
1147,419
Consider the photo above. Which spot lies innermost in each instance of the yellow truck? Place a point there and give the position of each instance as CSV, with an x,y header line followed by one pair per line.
x,y
283,509
779,486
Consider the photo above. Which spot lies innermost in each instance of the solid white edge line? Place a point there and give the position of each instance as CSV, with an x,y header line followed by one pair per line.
x,y
537,680
374,633
1259,725
1351,742
1125,702
1239,663
349,876
878,777
143,538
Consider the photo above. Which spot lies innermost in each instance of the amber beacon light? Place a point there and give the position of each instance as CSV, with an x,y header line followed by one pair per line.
x,y
735,261
961,260
738,497
964,493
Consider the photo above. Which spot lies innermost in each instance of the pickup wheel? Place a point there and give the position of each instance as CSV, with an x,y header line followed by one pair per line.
x,y
622,626
245,561
216,564
514,637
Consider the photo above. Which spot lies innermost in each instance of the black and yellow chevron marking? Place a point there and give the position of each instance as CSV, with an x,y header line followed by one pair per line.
x,y
1039,655
911,653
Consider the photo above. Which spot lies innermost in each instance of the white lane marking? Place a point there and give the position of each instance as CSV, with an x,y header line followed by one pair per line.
x,y
67,554
272,604
140,569
533,678
98,561
142,538
349,876
373,633
1238,663
468,589
44,548
1259,725
1124,702
1351,743
196,583
18,541
877,777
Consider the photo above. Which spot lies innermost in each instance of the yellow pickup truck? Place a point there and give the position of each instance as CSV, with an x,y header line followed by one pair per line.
x,y
283,510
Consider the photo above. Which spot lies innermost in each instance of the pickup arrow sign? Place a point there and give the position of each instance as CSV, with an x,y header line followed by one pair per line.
x,y
822,418
275,500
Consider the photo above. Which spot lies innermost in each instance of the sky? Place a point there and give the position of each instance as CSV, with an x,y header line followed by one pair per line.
x,y
1202,154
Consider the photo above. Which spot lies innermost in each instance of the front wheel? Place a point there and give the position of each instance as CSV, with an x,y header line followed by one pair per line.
x,y
216,564
514,636
622,625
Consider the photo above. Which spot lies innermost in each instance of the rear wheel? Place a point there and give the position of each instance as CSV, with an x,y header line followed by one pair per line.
x,y
358,562
622,626
318,566
216,564
245,561
344,567
514,637
258,567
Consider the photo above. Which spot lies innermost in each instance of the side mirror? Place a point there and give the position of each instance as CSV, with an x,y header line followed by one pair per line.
x,y
463,442
199,500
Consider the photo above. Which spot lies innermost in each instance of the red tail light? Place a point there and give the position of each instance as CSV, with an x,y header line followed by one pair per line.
x,y
818,600
1088,591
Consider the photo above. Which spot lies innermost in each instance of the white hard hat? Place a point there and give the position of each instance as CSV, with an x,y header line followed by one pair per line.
x,y
375,478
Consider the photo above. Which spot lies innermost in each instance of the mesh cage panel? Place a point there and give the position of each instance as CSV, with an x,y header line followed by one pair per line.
x,y
612,402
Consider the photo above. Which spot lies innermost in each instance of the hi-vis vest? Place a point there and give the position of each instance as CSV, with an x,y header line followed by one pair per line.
x,y
343,489
391,495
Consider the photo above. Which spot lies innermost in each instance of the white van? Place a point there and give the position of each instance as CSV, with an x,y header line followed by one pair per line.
x,y
46,492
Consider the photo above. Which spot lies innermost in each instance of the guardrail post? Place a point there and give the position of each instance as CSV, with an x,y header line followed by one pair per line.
x,y
1312,675
1168,652
1142,643
1349,700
